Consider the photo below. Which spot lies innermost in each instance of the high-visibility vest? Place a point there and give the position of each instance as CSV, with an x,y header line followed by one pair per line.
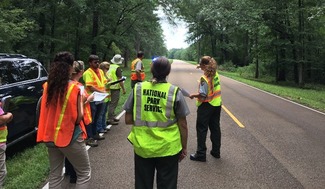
x,y
155,132
57,122
91,79
214,91
3,133
134,76
112,75
87,119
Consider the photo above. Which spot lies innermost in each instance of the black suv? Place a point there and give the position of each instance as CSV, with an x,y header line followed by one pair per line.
x,y
21,79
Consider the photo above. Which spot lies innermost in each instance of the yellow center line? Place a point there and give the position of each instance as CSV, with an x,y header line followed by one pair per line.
x,y
233,117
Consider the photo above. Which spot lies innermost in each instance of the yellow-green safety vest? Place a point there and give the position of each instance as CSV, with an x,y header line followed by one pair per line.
x,y
112,75
3,133
214,91
155,132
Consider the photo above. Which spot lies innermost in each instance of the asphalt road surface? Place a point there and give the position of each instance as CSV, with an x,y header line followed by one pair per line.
x,y
267,142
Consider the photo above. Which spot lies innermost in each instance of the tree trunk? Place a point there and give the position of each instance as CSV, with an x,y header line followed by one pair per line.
x,y
95,28
257,73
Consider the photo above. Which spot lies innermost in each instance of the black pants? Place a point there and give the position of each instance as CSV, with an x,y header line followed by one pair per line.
x,y
208,116
167,172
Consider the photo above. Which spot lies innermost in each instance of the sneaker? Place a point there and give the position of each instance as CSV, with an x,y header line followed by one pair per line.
x,y
108,127
99,137
91,142
102,131
73,180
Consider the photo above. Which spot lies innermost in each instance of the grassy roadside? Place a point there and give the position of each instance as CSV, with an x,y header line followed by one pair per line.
x,y
29,169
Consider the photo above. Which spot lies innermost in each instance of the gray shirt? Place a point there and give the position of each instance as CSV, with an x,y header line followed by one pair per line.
x,y
181,108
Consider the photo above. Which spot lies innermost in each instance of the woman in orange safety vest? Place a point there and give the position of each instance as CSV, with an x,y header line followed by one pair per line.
x,y
59,125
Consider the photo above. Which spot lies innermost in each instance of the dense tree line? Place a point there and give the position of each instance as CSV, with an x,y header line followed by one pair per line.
x,y
284,39
39,28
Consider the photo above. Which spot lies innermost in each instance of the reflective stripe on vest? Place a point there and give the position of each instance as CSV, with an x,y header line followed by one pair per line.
x,y
168,111
134,76
155,132
214,91
58,126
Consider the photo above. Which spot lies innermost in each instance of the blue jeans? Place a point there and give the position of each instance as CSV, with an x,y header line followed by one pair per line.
x,y
97,111
105,107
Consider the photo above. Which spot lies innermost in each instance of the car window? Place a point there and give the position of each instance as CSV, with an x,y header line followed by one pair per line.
x,y
29,69
9,73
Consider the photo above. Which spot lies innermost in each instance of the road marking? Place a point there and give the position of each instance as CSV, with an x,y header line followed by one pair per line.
x,y
233,117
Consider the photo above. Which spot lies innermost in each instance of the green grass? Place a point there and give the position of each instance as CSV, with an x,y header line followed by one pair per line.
x,y
30,168
311,95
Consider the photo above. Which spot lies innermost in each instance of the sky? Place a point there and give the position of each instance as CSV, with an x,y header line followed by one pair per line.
x,y
175,36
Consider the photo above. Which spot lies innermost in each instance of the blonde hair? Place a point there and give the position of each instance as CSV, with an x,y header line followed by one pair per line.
x,y
104,65
211,66
78,66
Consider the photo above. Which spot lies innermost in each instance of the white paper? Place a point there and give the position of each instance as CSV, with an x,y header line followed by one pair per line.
x,y
99,96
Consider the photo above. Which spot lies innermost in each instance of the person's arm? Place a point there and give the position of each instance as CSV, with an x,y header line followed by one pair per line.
x,y
129,118
182,125
128,107
80,109
93,89
5,118
203,91
138,70
119,76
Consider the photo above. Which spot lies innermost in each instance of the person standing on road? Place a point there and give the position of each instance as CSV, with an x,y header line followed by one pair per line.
x,y
209,109
157,110
115,73
95,82
105,67
78,69
5,117
137,69
59,125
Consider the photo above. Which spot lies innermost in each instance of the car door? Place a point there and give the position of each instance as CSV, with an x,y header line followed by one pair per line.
x,y
22,80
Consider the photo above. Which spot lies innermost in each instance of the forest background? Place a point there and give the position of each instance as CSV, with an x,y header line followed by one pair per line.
x,y
275,39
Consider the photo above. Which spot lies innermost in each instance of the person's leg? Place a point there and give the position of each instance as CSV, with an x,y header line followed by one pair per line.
x,y
3,169
56,158
115,96
78,156
104,116
202,124
92,126
167,172
144,172
99,117
214,126
69,170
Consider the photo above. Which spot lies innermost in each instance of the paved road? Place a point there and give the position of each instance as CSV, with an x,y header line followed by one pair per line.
x,y
279,145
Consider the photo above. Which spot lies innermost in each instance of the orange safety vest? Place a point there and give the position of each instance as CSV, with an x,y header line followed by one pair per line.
x,y
134,76
87,119
94,81
57,121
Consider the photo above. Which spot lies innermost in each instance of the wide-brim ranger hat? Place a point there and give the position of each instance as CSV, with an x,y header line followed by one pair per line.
x,y
117,59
